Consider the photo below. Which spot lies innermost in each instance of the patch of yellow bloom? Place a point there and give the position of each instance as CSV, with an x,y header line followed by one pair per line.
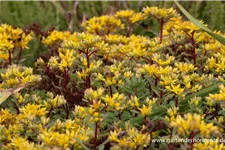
x,y
103,25
91,94
6,117
146,110
117,101
130,16
168,59
32,110
129,138
15,75
54,101
209,144
160,13
172,113
193,123
216,63
175,88
56,37
64,61
185,67
13,38
168,79
218,96
70,132
21,144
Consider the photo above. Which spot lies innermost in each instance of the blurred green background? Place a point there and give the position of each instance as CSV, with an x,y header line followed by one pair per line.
x,y
67,15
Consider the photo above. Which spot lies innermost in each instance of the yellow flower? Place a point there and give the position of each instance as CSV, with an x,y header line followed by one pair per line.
x,y
32,110
160,13
15,75
80,111
53,102
102,25
176,89
134,102
125,13
113,136
168,79
218,96
209,144
117,101
129,15
21,144
13,38
145,110
185,67
55,36
193,122
91,94
168,59
4,55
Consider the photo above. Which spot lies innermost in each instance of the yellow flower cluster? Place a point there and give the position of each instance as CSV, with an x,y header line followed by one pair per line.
x,y
112,87
30,111
21,144
56,36
160,13
54,102
15,75
130,138
209,144
64,61
70,131
172,113
146,110
193,123
216,63
117,101
162,61
103,25
130,16
219,96
32,120
12,38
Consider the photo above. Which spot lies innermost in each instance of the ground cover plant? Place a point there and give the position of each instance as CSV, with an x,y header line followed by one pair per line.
x,y
106,88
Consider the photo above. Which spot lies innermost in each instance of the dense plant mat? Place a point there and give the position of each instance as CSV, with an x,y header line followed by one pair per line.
x,y
107,88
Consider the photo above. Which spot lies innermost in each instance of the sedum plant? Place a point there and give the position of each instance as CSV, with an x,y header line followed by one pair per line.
x,y
107,88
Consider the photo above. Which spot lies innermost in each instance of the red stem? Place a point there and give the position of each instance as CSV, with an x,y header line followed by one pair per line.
x,y
110,89
193,43
156,81
161,30
149,60
88,81
66,77
92,53
192,135
88,78
95,136
177,102
19,55
130,30
10,58
161,93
